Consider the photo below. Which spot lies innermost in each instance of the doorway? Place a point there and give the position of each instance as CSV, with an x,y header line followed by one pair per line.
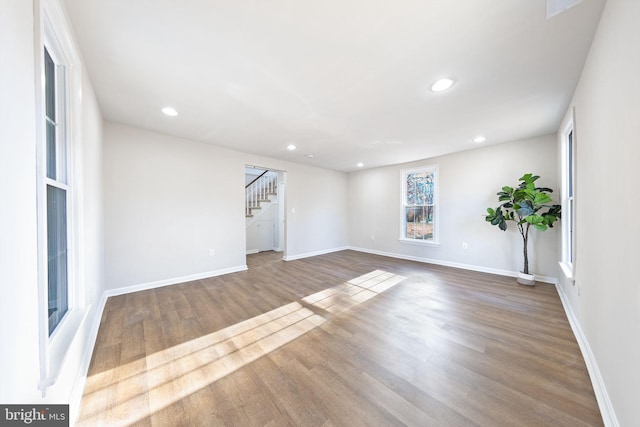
x,y
264,209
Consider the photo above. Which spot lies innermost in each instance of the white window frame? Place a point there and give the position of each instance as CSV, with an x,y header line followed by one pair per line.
x,y
52,31
436,205
568,221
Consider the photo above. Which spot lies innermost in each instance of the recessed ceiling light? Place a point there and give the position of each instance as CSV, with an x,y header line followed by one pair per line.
x,y
479,139
170,111
291,147
310,156
442,84
360,164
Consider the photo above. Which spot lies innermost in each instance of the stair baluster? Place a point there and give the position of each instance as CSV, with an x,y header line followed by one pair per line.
x,y
260,190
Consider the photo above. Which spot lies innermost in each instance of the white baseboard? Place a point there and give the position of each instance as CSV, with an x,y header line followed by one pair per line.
x,y
604,403
75,399
478,268
310,254
251,251
173,281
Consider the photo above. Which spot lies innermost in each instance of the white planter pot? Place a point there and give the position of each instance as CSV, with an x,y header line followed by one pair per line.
x,y
526,279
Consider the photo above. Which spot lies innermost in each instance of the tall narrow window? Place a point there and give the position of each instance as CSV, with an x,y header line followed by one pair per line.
x,y
56,192
419,205
63,301
570,177
568,201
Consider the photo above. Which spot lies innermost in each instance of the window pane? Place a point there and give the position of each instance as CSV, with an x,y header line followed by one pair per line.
x,y
419,188
419,222
51,150
57,254
50,113
570,238
570,164
50,86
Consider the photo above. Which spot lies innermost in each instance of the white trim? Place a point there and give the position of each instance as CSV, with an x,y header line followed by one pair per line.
x,y
568,239
602,396
75,399
419,242
435,169
52,31
252,251
567,270
310,254
545,279
173,281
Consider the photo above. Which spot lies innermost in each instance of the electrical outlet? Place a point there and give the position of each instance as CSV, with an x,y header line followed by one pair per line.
x,y
212,252
465,245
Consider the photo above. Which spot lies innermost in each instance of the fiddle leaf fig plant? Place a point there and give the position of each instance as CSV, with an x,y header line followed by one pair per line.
x,y
526,205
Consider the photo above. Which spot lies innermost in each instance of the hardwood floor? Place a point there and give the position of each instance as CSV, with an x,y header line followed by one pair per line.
x,y
344,339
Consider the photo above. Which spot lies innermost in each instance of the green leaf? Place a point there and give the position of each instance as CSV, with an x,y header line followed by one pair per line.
x,y
541,198
526,177
555,210
524,204
534,219
526,209
529,178
519,195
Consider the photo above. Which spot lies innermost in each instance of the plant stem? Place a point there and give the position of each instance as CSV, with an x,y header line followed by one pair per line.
x,y
524,232
525,236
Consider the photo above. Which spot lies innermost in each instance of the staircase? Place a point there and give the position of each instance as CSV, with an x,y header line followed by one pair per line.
x,y
260,193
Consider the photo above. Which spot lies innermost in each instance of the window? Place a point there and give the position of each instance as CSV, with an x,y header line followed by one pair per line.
x,y
63,304
56,193
419,210
568,200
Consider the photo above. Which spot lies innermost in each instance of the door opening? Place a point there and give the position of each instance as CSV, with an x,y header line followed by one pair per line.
x,y
264,209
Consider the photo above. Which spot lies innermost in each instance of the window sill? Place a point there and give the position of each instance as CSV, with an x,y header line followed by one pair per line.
x,y
567,270
59,344
420,242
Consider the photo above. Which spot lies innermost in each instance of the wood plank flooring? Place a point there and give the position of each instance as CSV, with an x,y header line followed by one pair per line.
x,y
344,339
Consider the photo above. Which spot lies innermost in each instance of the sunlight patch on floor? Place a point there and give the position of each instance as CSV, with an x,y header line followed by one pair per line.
x,y
340,298
134,391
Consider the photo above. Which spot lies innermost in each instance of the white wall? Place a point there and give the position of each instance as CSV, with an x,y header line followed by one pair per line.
x,y
19,365
607,127
468,184
19,368
169,200
316,213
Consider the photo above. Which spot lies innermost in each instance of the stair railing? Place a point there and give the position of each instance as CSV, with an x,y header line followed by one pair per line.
x,y
259,190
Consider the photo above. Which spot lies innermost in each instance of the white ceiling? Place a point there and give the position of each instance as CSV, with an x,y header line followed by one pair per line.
x,y
347,81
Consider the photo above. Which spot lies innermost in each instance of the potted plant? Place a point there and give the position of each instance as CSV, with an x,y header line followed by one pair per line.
x,y
526,205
